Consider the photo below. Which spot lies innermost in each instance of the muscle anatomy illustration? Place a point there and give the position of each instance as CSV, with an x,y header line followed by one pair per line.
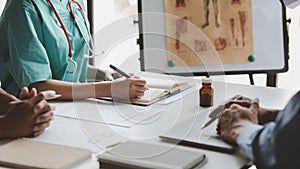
x,y
206,12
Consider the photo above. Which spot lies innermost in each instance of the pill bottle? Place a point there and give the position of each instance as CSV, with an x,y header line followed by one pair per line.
x,y
206,93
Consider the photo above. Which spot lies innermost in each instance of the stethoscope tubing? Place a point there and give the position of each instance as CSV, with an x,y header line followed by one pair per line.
x,y
91,48
63,27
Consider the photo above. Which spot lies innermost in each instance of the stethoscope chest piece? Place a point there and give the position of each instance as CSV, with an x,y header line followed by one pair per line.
x,y
72,66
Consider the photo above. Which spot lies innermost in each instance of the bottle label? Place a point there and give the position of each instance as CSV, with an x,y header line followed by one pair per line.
x,y
206,100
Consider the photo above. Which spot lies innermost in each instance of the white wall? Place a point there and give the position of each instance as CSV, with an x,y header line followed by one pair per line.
x,y
291,79
112,12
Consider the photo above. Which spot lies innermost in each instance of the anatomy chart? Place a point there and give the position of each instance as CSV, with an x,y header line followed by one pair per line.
x,y
207,32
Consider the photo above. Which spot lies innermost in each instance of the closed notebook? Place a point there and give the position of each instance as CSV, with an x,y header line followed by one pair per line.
x,y
157,89
137,155
27,154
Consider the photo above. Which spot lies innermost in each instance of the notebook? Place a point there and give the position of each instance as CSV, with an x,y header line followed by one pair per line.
x,y
189,133
137,155
157,89
28,154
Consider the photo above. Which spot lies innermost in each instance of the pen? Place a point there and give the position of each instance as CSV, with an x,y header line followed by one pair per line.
x,y
23,101
218,114
119,71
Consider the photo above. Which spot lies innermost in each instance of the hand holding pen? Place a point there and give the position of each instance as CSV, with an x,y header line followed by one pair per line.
x,y
128,88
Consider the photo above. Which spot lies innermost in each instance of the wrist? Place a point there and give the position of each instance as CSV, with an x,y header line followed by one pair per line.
x,y
239,127
267,115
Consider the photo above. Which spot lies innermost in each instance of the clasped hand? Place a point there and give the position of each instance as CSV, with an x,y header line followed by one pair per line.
x,y
30,118
239,114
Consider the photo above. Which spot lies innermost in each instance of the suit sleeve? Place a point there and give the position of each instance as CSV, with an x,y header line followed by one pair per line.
x,y
276,144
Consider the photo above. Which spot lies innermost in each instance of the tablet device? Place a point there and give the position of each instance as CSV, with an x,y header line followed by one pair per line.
x,y
189,133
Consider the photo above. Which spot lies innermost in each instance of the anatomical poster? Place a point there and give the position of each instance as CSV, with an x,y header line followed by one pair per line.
x,y
208,32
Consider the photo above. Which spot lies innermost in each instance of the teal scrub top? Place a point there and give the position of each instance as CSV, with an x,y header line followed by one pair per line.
x,y
33,46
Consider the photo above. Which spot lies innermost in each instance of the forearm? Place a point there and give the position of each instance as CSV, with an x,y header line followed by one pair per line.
x,y
74,91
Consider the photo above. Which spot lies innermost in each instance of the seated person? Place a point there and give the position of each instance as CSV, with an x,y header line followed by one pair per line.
x,y
270,138
44,47
27,119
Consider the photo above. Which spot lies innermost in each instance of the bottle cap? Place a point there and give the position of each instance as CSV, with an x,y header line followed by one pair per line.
x,y
206,80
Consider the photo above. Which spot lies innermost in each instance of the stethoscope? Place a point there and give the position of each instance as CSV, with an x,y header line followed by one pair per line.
x,y
72,65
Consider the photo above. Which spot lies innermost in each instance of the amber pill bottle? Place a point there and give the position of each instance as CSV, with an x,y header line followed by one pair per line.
x,y
206,93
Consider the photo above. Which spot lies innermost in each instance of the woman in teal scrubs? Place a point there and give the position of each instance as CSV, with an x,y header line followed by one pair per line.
x,y
35,52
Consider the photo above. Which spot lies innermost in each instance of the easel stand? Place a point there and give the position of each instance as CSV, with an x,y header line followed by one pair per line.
x,y
271,79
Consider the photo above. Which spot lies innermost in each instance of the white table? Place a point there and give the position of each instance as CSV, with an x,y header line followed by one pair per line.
x,y
68,131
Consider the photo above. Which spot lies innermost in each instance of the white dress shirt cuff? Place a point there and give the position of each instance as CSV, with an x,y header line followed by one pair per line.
x,y
246,138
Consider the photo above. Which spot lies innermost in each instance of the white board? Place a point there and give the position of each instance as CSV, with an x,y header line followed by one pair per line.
x,y
269,34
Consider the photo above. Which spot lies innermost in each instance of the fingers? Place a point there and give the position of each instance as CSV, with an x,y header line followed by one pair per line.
x,y
24,93
39,103
41,96
138,86
254,107
128,88
33,93
37,99
43,121
139,82
35,134
40,128
235,118
237,112
42,107
45,117
240,100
